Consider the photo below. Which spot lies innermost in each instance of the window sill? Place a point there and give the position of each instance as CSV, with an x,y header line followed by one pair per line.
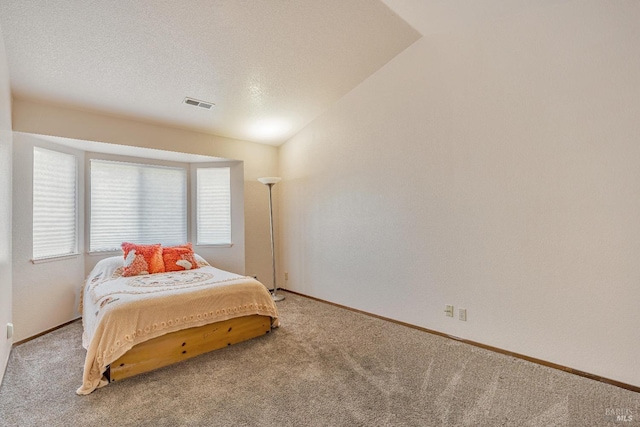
x,y
54,258
105,253
214,245
199,245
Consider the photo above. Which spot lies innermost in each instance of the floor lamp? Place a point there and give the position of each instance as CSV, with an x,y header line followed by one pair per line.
x,y
270,182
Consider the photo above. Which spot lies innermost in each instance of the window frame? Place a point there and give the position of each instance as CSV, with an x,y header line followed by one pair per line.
x,y
77,203
196,222
134,160
236,190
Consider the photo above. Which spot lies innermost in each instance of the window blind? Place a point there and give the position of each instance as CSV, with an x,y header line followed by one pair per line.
x,y
213,195
137,203
54,204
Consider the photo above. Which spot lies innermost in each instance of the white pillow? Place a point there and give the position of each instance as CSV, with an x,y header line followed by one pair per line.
x,y
201,261
107,267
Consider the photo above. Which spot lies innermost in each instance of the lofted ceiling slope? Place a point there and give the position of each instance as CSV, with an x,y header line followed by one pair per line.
x,y
269,66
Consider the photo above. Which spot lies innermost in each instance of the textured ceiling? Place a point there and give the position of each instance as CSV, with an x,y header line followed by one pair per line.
x,y
270,66
450,16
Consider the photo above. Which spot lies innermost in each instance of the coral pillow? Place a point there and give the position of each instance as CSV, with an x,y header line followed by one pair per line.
x,y
177,258
142,259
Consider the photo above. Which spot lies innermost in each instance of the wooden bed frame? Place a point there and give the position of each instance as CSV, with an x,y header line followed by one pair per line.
x,y
185,344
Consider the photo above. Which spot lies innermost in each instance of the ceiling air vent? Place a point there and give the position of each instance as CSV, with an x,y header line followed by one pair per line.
x,y
197,103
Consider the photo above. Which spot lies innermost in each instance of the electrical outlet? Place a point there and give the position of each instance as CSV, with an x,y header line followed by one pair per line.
x,y
9,330
286,275
462,314
448,309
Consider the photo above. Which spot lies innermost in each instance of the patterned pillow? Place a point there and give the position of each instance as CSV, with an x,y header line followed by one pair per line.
x,y
142,259
177,258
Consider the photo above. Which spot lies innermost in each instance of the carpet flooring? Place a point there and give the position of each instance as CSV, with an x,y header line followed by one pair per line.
x,y
325,366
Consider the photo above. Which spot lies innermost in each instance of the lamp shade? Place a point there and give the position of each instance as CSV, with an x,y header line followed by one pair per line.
x,y
270,180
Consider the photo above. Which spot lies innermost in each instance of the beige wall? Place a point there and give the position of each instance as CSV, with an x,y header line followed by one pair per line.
x,y
495,169
45,294
258,160
5,209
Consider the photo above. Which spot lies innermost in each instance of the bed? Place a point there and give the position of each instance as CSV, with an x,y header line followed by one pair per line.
x,y
136,324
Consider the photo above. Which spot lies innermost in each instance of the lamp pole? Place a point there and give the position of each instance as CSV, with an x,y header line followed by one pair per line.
x,y
270,182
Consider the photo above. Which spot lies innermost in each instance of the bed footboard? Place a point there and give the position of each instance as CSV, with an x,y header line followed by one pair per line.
x,y
185,344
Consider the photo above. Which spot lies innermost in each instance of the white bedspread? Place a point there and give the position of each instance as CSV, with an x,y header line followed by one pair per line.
x,y
120,312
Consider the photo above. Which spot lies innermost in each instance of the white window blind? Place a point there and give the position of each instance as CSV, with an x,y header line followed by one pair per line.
x,y
213,194
137,203
54,204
